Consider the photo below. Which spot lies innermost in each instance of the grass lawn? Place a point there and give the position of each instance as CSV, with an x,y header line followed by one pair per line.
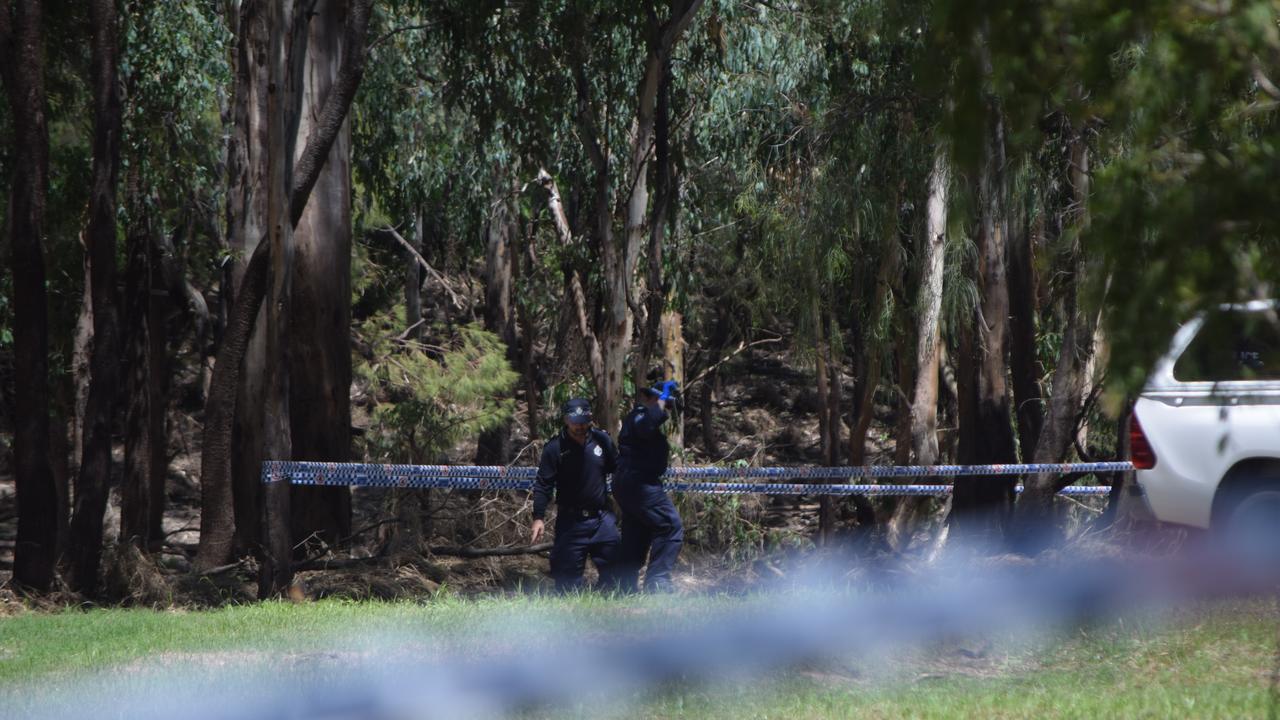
x,y
1213,661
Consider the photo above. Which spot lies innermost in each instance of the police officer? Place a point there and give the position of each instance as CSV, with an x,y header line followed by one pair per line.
x,y
650,524
572,472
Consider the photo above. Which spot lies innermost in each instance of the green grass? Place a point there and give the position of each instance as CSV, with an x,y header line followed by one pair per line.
x,y
1211,662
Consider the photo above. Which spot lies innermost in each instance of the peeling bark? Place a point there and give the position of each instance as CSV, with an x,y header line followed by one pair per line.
x,y
923,408
216,497
320,293
924,400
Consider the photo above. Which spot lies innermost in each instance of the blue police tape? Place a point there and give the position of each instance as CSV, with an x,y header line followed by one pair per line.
x,y
498,477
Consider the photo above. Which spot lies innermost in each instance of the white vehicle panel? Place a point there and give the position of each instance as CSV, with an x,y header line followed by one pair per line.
x,y
1196,441
1199,430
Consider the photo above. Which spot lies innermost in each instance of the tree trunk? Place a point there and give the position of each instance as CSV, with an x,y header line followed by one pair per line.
x,y
494,446
900,528
233,505
654,291
135,492
1035,528
34,552
672,327
276,572
413,281
870,357
217,522
826,506
319,341
527,332
822,354
924,399
923,414
157,390
711,381
980,505
81,352
864,411
1023,364
216,500
60,462
95,469
619,259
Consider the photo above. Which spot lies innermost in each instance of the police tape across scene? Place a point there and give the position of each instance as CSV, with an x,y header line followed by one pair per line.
x,y
499,477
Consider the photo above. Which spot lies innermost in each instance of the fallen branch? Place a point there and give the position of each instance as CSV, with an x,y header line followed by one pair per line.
x,y
742,345
449,550
470,552
339,563
222,568
425,265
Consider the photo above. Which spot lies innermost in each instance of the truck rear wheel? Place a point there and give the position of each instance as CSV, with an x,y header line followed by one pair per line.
x,y
1250,526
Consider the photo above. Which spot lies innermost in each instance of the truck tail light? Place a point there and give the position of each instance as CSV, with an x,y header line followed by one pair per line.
x,y
1140,452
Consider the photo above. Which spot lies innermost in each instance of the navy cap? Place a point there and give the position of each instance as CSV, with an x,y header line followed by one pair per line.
x,y
577,410
651,392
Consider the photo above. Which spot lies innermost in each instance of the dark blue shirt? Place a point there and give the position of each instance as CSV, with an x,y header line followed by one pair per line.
x,y
573,474
642,445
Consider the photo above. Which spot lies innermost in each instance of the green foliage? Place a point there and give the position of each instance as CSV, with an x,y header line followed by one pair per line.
x,y
555,396
718,524
427,398
1185,172
413,155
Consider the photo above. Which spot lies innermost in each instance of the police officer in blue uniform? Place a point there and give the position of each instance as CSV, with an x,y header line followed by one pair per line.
x,y
573,472
650,524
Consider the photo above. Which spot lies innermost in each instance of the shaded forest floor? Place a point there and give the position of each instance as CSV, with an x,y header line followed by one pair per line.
x,y
765,413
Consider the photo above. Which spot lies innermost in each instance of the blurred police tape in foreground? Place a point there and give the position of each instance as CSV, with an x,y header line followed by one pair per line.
x,y
542,656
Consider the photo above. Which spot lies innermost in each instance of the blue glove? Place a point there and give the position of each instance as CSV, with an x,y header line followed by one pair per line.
x,y
667,388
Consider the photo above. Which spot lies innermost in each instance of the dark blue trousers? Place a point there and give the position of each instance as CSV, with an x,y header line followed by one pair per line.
x,y
650,527
577,536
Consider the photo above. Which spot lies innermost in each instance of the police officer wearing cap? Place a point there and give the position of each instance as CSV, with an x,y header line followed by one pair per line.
x,y
650,524
572,471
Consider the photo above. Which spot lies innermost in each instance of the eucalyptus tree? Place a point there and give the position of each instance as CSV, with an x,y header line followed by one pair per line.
x,y
297,173
23,72
829,138
320,288
172,68
578,62
100,234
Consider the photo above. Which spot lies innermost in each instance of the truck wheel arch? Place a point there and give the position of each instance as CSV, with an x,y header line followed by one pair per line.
x,y
1243,479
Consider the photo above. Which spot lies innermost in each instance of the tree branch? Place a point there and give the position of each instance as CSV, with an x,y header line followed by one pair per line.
x,y
1264,82
396,31
742,345
556,206
470,552
586,120
425,265
594,353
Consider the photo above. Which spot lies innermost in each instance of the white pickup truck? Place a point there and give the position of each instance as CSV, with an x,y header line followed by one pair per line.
x,y
1205,432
